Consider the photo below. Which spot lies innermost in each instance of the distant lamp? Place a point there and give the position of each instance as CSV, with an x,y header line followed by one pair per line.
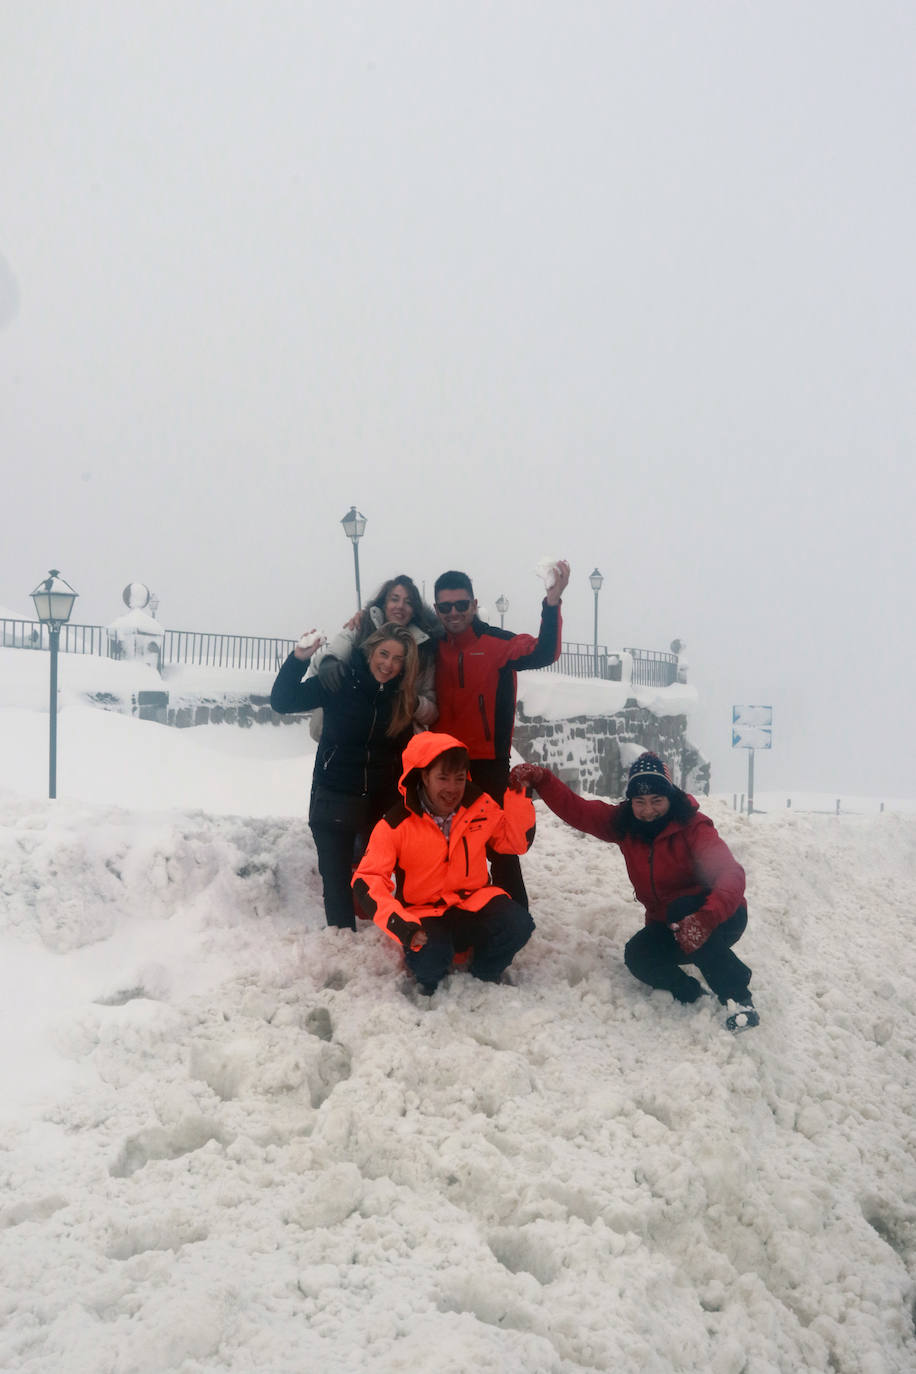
x,y
596,581
53,600
502,605
354,525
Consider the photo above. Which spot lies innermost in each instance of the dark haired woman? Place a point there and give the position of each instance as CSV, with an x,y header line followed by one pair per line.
x,y
367,722
682,871
397,602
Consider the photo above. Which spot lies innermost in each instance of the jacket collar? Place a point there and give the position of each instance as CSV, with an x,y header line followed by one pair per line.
x,y
417,633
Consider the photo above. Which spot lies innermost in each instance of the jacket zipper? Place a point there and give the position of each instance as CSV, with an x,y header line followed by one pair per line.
x,y
467,857
483,716
369,735
461,668
652,868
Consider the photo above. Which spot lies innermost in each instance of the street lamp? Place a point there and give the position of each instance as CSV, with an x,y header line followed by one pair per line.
x,y
354,524
54,600
502,605
595,582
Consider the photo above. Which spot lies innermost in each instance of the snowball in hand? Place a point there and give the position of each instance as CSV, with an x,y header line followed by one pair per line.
x,y
547,568
311,640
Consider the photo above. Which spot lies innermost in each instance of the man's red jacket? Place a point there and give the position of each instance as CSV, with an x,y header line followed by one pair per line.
x,y
476,685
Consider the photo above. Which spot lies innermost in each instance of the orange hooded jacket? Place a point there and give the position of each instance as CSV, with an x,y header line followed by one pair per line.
x,y
410,871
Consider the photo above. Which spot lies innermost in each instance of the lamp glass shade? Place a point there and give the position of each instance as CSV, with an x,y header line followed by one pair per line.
x,y
502,604
596,581
54,599
354,524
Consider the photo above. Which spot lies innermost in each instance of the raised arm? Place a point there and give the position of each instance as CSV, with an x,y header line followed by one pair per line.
x,y
289,693
527,652
592,817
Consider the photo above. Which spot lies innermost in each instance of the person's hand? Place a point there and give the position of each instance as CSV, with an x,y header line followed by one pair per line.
x,y
527,775
307,644
354,622
693,932
331,673
560,583
410,933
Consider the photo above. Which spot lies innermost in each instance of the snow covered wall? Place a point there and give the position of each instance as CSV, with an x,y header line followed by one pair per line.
x,y
589,732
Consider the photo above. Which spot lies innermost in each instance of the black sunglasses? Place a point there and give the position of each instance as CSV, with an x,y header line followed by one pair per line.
x,y
443,607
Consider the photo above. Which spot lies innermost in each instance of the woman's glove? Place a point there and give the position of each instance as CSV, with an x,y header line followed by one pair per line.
x,y
693,932
527,775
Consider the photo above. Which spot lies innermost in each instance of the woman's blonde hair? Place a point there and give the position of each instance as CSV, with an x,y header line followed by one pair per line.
x,y
405,702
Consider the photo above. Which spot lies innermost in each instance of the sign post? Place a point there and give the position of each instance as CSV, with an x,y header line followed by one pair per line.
x,y
752,728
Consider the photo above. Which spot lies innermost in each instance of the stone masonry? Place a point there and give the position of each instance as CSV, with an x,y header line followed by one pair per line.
x,y
585,750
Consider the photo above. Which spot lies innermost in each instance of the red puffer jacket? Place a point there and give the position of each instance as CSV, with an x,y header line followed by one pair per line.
x,y
410,871
476,680
685,859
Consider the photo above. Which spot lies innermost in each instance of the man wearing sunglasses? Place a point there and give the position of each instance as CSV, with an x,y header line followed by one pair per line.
x,y
476,665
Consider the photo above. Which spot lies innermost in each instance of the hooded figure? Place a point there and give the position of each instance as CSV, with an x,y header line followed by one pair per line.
x,y
424,877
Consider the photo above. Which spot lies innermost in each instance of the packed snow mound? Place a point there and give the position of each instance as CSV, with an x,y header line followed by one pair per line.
x,y
235,1140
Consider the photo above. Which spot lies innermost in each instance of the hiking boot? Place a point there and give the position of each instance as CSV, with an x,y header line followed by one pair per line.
x,y
741,1015
426,989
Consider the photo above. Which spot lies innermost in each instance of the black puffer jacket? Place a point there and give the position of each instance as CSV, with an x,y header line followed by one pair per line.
x,y
355,754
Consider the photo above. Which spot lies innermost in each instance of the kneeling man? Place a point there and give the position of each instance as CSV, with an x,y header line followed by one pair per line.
x,y
424,879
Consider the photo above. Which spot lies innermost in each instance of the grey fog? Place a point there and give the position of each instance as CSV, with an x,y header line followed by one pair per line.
x,y
627,284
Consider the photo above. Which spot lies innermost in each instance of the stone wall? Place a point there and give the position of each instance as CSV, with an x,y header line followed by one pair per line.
x,y
592,753
228,710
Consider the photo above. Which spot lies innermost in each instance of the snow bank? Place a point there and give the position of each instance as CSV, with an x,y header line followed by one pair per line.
x,y
234,1140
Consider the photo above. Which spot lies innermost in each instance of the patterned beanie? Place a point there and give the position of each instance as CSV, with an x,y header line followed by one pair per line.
x,y
648,776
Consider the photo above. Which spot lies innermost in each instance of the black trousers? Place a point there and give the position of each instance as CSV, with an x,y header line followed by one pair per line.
x,y
655,957
496,933
505,870
341,826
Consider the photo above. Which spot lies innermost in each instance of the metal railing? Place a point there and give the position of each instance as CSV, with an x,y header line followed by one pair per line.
x,y
651,668
225,651
580,660
74,639
178,646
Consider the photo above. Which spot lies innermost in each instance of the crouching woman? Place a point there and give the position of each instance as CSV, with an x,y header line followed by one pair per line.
x,y
423,878
682,871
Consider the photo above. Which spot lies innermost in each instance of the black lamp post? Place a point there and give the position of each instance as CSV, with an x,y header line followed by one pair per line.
x,y
54,600
502,605
354,524
595,582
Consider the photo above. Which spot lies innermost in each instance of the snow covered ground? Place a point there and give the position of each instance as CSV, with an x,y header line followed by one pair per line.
x,y
232,1140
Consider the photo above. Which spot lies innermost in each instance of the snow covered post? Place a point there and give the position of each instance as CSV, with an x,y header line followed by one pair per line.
x,y
53,600
138,633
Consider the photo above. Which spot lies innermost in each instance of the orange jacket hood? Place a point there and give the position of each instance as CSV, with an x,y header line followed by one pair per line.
x,y
422,750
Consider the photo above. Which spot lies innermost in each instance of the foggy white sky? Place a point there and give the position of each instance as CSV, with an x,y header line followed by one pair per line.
x,y
630,284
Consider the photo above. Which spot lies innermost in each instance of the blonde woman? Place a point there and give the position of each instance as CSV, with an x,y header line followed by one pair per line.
x,y
368,720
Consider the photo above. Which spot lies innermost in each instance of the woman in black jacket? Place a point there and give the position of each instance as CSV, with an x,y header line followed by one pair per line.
x,y
368,720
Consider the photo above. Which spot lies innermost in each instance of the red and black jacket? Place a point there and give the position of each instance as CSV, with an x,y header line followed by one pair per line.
x,y
475,680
